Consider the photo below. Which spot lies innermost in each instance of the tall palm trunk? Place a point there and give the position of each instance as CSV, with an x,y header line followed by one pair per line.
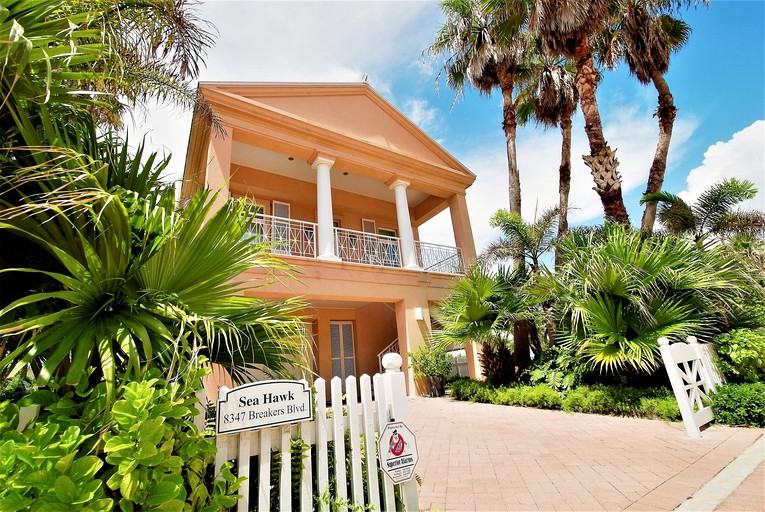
x,y
666,114
564,180
602,159
510,126
521,328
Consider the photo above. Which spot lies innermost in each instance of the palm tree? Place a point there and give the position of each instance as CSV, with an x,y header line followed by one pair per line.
x,y
523,240
644,37
527,242
133,284
115,280
483,306
566,27
483,46
550,96
713,212
616,297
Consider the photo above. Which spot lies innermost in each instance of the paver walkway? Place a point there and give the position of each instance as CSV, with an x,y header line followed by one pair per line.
x,y
488,457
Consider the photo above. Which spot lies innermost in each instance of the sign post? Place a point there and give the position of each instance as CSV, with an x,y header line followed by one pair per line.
x,y
263,404
397,450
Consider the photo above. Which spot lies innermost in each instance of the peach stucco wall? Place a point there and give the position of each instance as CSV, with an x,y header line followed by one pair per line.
x,y
374,327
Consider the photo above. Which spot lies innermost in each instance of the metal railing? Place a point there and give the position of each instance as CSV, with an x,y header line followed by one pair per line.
x,y
443,259
368,248
285,236
291,237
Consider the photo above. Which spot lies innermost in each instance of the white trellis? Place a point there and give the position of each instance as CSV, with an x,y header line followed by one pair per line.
x,y
359,421
691,379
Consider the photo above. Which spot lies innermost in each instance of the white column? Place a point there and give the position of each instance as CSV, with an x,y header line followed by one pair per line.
x,y
408,254
326,235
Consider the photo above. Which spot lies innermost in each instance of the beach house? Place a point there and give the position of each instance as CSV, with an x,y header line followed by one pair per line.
x,y
343,181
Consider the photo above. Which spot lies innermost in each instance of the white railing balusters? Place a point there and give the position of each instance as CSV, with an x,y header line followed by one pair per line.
x,y
290,237
285,236
443,259
368,248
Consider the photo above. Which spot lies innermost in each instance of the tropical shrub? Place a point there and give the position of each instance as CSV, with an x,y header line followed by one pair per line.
x,y
742,354
623,401
558,369
483,307
15,389
431,361
740,404
143,453
615,298
597,399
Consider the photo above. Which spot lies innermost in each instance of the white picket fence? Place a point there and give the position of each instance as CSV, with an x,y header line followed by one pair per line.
x,y
359,421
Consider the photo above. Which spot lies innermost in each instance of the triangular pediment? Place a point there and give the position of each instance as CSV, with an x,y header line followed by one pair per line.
x,y
353,110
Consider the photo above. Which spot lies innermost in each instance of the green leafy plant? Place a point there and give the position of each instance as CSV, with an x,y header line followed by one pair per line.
x,y
44,469
742,354
142,453
432,362
739,404
622,401
15,389
557,368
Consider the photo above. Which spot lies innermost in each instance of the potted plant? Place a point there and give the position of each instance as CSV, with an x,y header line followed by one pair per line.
x,y
431,362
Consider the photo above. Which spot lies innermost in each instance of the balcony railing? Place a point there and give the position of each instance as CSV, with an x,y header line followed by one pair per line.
x,y
368,248
291,237
285,236
439,258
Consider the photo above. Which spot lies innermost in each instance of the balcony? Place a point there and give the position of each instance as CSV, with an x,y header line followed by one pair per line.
x,y
297,238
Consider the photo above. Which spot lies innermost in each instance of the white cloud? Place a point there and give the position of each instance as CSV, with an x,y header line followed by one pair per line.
x,y
742,157
300,41
418,111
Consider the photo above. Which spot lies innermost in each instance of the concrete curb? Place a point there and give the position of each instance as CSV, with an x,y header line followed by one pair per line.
x,y
714,492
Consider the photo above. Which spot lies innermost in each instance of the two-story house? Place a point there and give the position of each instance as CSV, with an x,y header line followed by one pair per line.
x,y
344,181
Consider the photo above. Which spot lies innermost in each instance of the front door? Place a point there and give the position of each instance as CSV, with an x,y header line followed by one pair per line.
x,y
343,361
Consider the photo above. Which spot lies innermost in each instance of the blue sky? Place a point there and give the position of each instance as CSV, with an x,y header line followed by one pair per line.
x,y
718,81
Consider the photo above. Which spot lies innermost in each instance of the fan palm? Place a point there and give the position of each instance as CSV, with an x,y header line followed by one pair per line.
x,y
617,297
483,306
644,35
713,213
566,27
484,47
135,284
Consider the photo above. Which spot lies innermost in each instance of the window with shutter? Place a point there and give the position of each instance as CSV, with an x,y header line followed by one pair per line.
x,y
341,345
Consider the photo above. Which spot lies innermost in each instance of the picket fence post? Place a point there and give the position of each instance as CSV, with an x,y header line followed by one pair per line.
x,y
358,418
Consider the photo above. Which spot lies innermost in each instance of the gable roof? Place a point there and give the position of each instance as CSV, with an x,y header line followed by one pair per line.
x,y
354,113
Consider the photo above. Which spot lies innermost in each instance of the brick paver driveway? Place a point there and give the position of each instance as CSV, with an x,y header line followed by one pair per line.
x,y
489,457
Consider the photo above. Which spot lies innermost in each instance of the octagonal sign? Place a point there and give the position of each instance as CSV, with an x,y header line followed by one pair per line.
x,y
397,449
